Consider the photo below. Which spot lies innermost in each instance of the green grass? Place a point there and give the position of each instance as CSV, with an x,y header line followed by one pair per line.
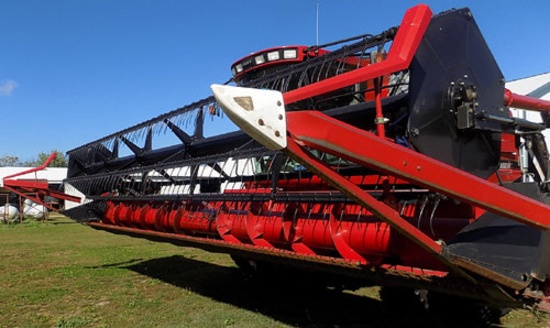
x,y
62,274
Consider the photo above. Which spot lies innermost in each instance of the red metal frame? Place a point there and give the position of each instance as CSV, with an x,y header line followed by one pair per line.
x,y
38,187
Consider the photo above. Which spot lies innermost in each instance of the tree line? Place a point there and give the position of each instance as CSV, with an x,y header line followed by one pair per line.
x,y
59,161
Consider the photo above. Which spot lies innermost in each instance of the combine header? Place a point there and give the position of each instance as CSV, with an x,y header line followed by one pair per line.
x,y
391,159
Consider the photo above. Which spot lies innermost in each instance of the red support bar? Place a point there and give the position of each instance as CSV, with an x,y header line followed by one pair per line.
x,y
27,183
408,37
379,120
319,131
60,195
525,102
34,169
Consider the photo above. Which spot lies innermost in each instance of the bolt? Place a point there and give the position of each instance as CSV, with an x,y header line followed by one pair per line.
x,y
277,133
418,168
261,122
279,103
280,116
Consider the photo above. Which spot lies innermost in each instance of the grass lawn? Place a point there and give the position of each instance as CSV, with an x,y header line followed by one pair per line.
x,y
62,274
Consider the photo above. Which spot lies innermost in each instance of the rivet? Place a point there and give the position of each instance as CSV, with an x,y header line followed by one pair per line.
x,y
261,122
280,116
277,133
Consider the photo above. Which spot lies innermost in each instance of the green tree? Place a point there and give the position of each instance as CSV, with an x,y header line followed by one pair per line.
x,y
58,161
8,160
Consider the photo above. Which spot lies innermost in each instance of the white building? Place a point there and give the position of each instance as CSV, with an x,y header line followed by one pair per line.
x,y
537,86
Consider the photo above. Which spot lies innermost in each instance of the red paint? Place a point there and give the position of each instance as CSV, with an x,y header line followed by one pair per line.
x,y
524,102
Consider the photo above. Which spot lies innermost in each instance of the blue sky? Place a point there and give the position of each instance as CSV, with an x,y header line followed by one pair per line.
x,y
74,71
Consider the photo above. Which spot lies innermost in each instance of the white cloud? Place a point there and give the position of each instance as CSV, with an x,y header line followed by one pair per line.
x,y
7,87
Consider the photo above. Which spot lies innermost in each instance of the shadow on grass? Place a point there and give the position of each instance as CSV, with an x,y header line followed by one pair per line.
x,y
124,264
291,299
57,222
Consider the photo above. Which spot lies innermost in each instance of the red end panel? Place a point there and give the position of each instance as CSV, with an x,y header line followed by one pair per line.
x,y
410,33
319,131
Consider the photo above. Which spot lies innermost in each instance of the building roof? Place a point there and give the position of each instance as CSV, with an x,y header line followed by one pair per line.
x,y
537,86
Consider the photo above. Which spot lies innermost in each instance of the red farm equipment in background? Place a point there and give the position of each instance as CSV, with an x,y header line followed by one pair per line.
x,y
37,190
389,158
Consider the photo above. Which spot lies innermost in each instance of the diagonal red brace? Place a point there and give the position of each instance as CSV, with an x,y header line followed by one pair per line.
x,y
378,208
